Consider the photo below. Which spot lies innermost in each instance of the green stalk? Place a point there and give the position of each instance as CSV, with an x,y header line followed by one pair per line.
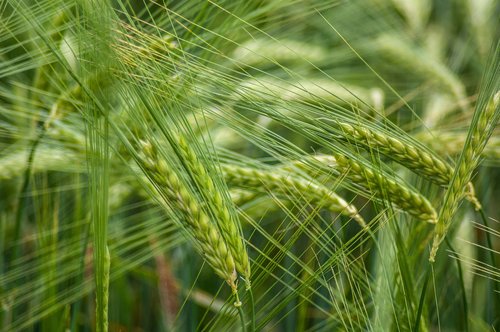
x,y
252,308
237,305
486,116
462,286
23,196
491,251
39,83
421,303
98,33
99,174
76,306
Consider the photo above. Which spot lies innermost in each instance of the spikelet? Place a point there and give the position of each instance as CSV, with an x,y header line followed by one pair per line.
x,y
47,159
451,143
380,183
421,64
174,191
266,89
261,51
420,161
41,81
275,180
226,220
486,122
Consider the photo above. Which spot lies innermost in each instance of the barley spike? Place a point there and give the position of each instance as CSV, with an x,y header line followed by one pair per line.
x,y
418,160
469,159
176,192
379,182
226,220
282,182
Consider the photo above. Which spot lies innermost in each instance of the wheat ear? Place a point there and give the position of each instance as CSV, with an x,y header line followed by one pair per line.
x,y
487,118
241,197
69,100
275,180
421,63
381,183
66,102
261,51
47,158
411,156
207,235
418,160
451,143
104,310
41,80
226,220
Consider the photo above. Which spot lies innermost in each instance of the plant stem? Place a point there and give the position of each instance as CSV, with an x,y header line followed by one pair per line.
x,y
488,237
23,193
496,288
416,327
252,306
76,306
237,305
462,285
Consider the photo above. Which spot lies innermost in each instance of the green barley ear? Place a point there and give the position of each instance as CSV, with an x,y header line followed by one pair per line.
x,y
277,180
257,52
422,64
379,182
69,100
41,81
482,23
485,119
451,143
420,161
177,195
47,159
241,197
411,156
226,218
266,89
415,12
64,104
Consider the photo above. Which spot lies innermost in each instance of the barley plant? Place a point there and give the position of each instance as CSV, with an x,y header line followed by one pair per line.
x,y
259,165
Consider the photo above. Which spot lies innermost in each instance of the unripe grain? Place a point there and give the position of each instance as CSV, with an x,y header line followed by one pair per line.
x,y
275,180
479,133
383,185
226,220
175,192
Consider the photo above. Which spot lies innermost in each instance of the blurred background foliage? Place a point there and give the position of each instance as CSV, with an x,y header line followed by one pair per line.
x,y
253,83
